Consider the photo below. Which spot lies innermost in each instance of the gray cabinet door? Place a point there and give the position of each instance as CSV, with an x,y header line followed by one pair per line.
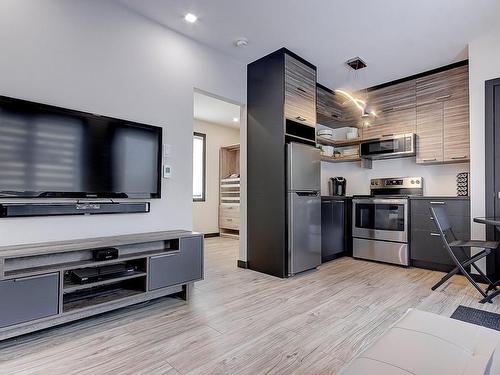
x,y
426,244
28,298
177,267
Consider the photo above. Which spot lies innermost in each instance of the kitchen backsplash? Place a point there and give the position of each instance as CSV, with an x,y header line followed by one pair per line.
x,y
439,180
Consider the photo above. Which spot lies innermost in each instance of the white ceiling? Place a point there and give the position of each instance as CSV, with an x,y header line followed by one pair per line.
x,y
397,38
208,108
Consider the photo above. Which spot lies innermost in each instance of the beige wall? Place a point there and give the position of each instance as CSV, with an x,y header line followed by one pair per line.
x,y
205,214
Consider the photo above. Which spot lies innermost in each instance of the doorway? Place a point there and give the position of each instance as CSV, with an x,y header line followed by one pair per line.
x,y
217,182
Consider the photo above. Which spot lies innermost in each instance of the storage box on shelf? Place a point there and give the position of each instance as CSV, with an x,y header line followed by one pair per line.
x,y
37,290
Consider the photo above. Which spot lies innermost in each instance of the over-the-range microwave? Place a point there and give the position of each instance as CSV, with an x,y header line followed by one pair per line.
x,y
393,146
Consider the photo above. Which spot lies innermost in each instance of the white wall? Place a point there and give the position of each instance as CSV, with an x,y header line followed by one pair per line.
x,y
484,57
98,57
206,214
438,179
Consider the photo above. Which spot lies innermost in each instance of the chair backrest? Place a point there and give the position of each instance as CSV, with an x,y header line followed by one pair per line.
x,y
440,218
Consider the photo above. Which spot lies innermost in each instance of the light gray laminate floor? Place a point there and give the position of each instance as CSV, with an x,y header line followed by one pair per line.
x,y
243,322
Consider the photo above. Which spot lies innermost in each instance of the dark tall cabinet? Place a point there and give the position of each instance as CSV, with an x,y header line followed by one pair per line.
x,y
281,100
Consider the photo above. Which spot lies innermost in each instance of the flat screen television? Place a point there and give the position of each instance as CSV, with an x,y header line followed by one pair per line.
x,y
51,152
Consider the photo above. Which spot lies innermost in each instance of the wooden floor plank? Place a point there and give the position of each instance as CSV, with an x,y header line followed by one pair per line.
x,y
243,322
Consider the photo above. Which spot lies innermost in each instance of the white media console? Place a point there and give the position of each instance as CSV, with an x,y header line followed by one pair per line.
x,y
37,292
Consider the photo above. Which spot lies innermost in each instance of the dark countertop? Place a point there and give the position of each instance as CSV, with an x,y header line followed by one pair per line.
x,y
441,197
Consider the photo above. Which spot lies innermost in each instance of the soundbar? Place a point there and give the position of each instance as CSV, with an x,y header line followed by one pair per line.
x,y
85,208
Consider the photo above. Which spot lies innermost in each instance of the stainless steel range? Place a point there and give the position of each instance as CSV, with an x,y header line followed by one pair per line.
x,y
380,220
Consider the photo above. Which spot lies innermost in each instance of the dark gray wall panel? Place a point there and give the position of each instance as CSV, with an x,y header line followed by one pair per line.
x,y
266,238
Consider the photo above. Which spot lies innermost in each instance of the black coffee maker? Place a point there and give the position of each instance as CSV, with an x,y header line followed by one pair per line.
x,y
337,186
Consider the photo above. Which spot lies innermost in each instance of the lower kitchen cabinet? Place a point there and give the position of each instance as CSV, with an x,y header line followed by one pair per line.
x,y
426,247
335,227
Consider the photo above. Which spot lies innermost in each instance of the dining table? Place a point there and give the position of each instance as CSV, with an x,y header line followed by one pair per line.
x,y
488,221
495,221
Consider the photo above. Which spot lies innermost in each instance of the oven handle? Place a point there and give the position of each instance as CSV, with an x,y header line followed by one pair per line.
x,y
380,201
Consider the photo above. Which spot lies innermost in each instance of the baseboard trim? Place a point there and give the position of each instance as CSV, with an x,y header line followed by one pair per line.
x,y
209,235
242,264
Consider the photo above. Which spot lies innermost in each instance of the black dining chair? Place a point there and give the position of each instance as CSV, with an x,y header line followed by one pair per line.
x,y
457,249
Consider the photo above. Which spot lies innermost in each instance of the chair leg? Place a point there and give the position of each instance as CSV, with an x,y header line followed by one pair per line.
x,y
466,274
445,278
490,296
491,285
464,271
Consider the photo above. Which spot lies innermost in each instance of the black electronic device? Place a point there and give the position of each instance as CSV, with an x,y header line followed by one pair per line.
x,y
93,274
108,253
337,186
57,209
52,152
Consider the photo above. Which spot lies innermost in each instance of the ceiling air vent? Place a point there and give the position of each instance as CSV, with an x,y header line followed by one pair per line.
x,y
356,63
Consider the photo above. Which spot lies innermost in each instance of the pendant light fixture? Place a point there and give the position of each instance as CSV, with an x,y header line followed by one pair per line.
x,y
355,64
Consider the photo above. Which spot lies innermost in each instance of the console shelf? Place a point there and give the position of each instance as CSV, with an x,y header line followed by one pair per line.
x,y
73,287
38,284
82,264
113,295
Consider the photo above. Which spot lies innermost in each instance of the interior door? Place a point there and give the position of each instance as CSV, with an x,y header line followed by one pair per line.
x,y
492,159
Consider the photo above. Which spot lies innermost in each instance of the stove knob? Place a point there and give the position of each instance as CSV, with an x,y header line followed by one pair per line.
x,y
412,182
417,181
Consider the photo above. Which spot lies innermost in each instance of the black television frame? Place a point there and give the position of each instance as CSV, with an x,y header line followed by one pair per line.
x,y
86,195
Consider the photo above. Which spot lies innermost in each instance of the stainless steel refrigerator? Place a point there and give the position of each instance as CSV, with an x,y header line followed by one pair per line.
x,y
303,207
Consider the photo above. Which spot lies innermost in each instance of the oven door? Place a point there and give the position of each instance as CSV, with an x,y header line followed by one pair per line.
x,y
380,219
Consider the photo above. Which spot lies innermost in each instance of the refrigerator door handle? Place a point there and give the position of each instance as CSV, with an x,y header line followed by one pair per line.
x,y
307,193
290,236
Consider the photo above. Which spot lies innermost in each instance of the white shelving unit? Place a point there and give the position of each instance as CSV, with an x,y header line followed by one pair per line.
x,y
229,192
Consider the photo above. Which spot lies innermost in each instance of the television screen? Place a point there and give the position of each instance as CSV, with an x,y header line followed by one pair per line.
x,y
50,152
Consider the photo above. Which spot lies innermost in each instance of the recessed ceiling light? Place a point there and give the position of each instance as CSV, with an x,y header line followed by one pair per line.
x,y
236,119
190,17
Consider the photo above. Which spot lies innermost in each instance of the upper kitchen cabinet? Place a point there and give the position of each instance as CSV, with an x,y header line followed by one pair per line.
x,y
300,91
443,116
430,133
335,111
395,108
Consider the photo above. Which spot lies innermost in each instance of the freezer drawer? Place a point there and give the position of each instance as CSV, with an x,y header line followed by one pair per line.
x,y
28,298
178,267
381,251
303,167
304,231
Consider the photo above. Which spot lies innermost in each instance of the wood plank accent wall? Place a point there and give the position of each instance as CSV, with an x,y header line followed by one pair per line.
x,y
443,113
300,92
335,111
435,107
